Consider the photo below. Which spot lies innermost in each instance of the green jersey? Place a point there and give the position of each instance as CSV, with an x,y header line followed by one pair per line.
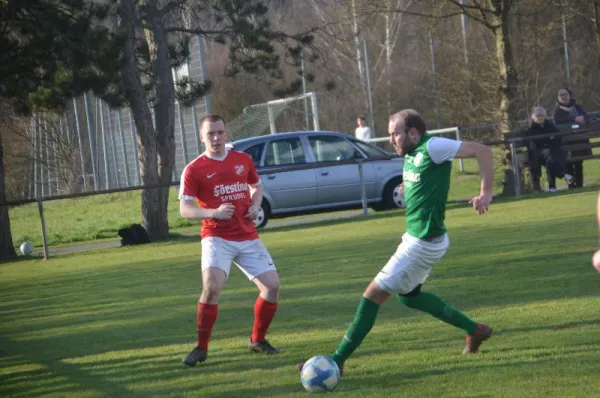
x,y
426,183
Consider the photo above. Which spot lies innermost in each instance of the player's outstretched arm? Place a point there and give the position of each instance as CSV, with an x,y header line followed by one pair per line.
x,y
189,210
483,154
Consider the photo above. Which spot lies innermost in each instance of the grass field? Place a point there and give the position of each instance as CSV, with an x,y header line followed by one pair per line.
x,y
117,322
99,217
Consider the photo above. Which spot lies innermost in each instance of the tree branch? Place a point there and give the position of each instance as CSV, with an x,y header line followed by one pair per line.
x,y
477,7
170,6
198,31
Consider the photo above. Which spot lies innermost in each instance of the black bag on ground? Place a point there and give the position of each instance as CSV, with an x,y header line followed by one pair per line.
x,y
135,234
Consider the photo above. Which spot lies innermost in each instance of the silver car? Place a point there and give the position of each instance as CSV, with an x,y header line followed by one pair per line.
x,y
311,171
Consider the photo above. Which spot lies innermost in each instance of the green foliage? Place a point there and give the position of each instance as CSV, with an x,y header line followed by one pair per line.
x,y
53,50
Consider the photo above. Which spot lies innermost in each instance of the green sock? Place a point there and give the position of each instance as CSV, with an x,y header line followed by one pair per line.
x,y
363,322
432,304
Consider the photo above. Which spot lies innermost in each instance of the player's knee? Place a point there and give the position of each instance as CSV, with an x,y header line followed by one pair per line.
x,y
208,296
270,290
406,297
273,288
210,292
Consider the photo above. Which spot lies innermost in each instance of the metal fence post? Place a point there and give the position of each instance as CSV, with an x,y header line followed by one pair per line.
x,y
87,103
43,223
36,163
460,161
363,190
516,171
315,111
123,147
113,147
179,112
134,145
80,147
104,154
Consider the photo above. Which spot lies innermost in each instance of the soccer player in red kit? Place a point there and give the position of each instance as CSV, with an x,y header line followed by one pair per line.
x,y
228,191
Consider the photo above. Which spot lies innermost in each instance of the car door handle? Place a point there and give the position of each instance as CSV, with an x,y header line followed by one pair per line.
x,y
324,173
271,176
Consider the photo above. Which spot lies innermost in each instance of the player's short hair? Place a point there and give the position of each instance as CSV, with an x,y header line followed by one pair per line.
x,y
411,119
361,117
212,118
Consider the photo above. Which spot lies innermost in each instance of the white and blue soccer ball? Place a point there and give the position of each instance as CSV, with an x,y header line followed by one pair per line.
x,y
320,374
26,248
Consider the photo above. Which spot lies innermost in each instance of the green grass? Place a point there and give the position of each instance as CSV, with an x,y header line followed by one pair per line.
x,y
84,219
117,322
100,217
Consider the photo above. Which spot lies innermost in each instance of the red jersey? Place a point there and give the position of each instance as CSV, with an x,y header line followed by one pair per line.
x,y
212,182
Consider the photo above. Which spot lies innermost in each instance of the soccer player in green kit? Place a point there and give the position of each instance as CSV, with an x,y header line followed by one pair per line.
x,y
426,181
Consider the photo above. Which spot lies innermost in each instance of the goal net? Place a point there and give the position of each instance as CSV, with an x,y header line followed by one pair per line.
x,y
288,114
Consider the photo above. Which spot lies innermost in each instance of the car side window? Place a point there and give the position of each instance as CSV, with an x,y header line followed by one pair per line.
x,y
285,152
255,152
332,149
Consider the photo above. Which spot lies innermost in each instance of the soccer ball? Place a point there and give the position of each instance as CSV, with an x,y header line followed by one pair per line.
x,y
26,248
320,374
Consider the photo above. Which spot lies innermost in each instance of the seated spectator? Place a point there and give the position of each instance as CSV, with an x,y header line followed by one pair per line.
x,y
569,112
546,150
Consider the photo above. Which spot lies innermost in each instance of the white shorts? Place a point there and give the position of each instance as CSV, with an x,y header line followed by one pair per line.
x,y
250,256
411,264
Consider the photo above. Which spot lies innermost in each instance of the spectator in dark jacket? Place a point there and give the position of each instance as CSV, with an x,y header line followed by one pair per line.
x,y
545,150
569,112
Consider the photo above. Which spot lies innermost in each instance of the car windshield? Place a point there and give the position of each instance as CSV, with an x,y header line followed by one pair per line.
x,y
371,150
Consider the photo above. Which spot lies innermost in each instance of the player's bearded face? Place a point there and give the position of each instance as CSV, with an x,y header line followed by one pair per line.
x,y
400,139
214,137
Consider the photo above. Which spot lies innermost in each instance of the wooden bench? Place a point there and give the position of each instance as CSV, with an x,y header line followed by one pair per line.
x,y
571,141
516,143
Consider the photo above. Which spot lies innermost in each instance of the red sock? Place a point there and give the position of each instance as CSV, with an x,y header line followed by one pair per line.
x,y
207,315
264,311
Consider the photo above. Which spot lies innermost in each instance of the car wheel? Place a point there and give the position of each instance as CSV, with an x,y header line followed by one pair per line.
x,y
392,199
263,215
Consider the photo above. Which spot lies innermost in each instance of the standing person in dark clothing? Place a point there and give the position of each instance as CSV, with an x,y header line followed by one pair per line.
x,y
545,151
567,111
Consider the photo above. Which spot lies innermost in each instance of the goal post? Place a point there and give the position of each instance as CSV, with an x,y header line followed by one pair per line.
x,y
286,114
284,101
448,130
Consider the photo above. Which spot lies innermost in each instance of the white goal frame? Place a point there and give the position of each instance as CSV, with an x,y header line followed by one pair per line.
x,y
314,108
454,130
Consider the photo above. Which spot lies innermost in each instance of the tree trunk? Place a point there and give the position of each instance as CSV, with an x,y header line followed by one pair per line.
x,y
154,202
596,22
507,89
388,60
7,249
362,73
156,37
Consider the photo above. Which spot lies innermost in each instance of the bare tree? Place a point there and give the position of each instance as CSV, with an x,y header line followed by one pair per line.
x,y
160,43
590,11
7,249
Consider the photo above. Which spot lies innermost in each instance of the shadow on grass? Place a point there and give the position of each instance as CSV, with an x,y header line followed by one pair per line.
x,y
144,313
